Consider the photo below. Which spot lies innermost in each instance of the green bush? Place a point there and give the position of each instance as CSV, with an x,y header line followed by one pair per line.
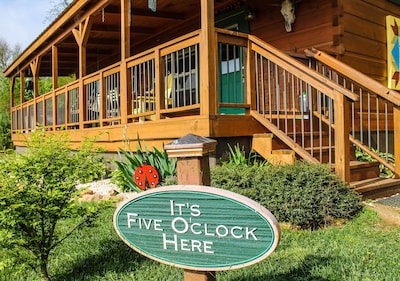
x,y
130,161
305,195
37,189
5,132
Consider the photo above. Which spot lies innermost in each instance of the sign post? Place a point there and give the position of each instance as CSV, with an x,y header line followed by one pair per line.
x,y
199,228
193,167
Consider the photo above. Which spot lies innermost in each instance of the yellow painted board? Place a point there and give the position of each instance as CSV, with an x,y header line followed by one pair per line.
x,y
393,51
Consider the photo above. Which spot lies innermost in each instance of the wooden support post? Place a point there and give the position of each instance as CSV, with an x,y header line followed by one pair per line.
x,y
208,62
54,65
125,53
193,167
250,79
22,87
34,65
81,36
342,140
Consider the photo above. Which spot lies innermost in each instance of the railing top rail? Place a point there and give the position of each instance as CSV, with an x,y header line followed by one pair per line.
x,y
305,70
356,76
231,32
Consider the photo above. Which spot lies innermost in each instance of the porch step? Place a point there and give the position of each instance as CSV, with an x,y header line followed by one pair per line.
x,y
363,170
360,171
376,187
262,144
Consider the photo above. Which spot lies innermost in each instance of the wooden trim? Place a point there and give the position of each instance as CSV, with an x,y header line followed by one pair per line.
x,y
188,36
91,78
60,91
141,59
180,109
231,33
233,40
114,69
178,46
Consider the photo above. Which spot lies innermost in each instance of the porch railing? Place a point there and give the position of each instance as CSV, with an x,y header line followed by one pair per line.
x,y
300,106
373,116
317,110
161,82
324,109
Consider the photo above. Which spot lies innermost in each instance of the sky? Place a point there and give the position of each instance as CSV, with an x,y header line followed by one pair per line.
x,y
22,21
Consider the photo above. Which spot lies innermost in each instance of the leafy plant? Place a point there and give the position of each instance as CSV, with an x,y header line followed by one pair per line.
x,y
237,157
365,157
305,195
123,176
37,189
92,165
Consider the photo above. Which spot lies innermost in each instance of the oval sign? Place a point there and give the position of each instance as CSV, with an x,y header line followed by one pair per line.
x,y
197,227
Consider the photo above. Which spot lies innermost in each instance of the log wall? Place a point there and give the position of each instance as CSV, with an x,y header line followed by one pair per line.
x,y
316,26
364,38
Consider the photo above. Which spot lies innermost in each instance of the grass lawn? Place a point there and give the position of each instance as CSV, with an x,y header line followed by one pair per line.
x,y
363,249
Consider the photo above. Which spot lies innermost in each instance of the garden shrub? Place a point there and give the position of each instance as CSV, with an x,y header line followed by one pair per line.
x,y
308,196
37,190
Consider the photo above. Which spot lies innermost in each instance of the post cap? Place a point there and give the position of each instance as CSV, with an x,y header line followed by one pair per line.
x,y
190,146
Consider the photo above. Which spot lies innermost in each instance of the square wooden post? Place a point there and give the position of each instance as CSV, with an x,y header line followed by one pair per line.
x,y
193,167
342,141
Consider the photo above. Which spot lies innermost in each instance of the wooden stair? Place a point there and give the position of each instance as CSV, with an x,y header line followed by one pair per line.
x,y
263,145
364,176
375,188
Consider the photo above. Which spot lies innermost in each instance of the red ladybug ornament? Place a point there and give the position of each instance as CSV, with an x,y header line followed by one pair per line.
x,y
146,176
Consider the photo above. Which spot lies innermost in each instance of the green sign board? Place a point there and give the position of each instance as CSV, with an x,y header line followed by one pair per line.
x,y
197,227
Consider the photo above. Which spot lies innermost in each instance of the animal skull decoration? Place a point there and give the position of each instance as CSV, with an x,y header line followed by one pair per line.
x,y
287,11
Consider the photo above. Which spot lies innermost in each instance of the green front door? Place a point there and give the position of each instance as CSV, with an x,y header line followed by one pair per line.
x,y
231,63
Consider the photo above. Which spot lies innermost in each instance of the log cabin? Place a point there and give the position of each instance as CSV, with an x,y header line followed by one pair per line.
x,y
230,70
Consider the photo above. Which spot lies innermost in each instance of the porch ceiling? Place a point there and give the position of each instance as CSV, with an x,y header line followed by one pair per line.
x,y
148,29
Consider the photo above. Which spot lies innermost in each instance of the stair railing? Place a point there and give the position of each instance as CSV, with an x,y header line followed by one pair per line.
x,y
300,106
372,116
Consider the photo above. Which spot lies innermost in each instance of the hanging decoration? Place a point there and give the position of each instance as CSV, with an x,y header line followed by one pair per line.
x,y
393,51
153,5
102,15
